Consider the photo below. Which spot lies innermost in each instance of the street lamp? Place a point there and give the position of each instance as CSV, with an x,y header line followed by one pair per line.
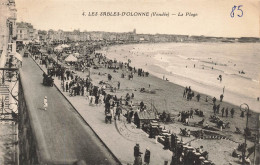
x,y
245,108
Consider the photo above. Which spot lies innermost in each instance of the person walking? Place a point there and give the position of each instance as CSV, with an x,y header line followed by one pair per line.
x,y
232,111
67,86
184,93
218,106
45,103
222,111
118,112
198,97
118,85
136,150
226,112
214,108
221,97
214,100
191,113
147,156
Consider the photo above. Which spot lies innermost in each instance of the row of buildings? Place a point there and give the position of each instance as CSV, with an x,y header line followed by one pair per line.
x,y
26,32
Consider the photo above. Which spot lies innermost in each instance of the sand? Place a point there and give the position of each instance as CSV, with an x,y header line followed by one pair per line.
x,y
168,97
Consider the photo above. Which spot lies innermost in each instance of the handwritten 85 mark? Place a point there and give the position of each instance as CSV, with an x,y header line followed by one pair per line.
x,y
237,9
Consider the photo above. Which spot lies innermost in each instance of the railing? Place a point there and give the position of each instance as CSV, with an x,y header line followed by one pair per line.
x,y
9,81
8,93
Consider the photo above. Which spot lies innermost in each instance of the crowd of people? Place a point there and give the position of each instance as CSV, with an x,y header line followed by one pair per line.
x,y
98,94
116,106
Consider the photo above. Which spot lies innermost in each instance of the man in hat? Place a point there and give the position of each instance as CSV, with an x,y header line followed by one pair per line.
x,y
136,150
45,103
137,155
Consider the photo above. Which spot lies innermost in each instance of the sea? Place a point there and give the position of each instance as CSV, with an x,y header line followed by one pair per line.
x,y
232,69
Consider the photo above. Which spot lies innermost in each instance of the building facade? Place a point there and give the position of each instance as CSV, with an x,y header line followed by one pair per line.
x,y
7,30
26,32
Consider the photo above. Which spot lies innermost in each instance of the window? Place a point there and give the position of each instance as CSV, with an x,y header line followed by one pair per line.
x,y
20,31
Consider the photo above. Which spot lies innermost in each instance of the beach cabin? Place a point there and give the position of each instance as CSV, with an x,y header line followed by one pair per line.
x,y
146,117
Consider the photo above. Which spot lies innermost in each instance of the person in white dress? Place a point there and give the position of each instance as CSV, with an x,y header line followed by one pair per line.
x,y
45,103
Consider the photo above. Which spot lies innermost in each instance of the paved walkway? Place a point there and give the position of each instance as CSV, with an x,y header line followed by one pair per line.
x,y
119,137
62,137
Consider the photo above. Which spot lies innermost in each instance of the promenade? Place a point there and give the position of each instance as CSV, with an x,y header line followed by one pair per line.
x,y
119,137
61,134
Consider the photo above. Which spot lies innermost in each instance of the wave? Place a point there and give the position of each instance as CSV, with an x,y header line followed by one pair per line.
x,y
182,57
213,63
157,69
241,76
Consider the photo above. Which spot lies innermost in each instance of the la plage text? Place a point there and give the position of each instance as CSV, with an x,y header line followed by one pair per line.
x,y
139,14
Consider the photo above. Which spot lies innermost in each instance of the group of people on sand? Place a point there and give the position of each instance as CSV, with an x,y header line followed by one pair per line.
x,y
188,93
185,116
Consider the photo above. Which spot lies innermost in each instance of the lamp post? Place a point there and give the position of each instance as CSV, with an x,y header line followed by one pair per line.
x,y
245,108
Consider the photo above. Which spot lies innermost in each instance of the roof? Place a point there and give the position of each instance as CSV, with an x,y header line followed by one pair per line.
x,y
144,115
24,25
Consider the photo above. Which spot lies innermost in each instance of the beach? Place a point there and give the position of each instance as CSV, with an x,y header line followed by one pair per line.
x,y
168,96
199,65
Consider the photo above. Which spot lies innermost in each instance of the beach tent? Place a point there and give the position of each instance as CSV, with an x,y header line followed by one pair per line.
x,y
71,58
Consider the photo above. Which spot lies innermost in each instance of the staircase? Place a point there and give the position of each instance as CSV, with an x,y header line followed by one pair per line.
x,y
4,94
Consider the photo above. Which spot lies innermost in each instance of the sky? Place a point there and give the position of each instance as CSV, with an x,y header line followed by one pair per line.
x,y
213,16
